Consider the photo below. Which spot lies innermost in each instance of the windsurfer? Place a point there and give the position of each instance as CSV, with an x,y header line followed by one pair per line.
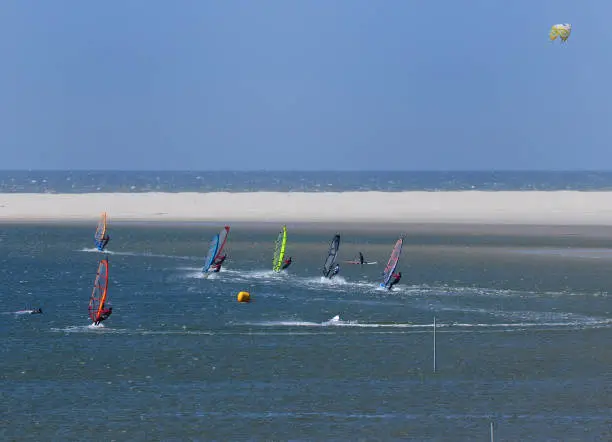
x,y
335,271
396,278
104,314
286,263
36,311
216,267
105,240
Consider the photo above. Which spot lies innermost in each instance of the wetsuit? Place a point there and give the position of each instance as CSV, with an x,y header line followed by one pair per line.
x,y
216,267
104,315
396,279
335,271
286,263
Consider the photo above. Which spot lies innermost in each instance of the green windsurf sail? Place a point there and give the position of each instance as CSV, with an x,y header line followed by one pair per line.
x,y
279,250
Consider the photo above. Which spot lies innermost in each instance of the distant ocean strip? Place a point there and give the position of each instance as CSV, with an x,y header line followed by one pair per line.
x,y
273,181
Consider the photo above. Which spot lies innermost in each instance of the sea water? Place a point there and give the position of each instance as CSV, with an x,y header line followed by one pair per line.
x,y
522,338
296,181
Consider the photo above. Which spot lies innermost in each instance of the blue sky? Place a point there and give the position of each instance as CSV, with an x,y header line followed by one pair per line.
x,y
304,85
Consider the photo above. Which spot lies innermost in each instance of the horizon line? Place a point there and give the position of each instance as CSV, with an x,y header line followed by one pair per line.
x,y
315,171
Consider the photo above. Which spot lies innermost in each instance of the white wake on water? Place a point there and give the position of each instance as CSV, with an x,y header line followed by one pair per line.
x,y
336,321
336,280
143,254
238,275
93,249
79,328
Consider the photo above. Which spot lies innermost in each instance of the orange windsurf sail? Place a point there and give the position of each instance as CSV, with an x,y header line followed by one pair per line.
x,y
100,291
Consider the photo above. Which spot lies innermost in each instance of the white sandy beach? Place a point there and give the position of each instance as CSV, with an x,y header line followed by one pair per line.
x,y
469,207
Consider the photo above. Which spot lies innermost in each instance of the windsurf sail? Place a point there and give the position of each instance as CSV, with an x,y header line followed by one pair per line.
x,y
100,232
393,260
100,291
213,248
331,256
279,250
222,240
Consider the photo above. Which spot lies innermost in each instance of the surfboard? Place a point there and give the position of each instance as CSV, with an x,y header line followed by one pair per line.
x,y
357,262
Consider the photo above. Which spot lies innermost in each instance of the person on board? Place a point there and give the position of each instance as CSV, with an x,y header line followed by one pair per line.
x,y
104,314
396,278
216,267
103,242
286,263
335,271
361,259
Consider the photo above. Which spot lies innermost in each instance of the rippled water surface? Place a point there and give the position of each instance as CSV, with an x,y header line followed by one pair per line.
x,y
522,339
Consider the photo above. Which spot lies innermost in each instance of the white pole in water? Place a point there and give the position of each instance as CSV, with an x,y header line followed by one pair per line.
x,y
434,345
492,436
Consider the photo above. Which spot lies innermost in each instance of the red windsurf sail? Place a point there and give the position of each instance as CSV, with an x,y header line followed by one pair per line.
x,y
393,260
222,240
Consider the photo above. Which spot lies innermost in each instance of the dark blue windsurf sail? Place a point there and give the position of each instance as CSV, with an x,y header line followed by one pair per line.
x,y
331,256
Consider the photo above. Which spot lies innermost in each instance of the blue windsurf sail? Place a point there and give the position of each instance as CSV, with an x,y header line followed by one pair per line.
x,y
100,237
212,253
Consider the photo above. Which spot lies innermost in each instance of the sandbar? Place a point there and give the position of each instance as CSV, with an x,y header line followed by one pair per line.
x,y
557,208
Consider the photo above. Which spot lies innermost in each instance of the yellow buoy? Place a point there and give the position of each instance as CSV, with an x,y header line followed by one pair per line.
x,y
244,297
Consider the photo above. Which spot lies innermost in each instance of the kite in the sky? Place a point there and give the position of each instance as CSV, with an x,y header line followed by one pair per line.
x,y
562,31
